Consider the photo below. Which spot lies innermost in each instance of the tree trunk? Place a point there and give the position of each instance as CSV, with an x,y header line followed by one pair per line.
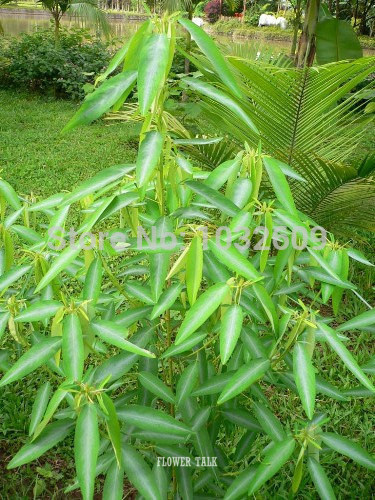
x,y
306,46
297,23
187,61
56,20
355,14
337,9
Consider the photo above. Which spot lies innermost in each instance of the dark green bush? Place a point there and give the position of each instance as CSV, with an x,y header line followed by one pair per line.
x,y
35,61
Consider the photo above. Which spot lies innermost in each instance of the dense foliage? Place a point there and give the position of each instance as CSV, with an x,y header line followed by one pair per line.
x,y
170,346
35,62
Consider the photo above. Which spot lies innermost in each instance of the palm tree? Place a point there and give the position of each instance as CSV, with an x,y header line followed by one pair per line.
x,y
87,10
312,119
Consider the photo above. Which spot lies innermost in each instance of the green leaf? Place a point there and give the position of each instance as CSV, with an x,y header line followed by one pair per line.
x,y
148,156
113,488
99,181
242,418
54,403
186,383
217,199
213,385
159,262
280,185
13,275
269,423
194,268
35,357
234,260
188,344
335,343
139,473
4,318
238,489
335,41
72,348
324,264
230,330
324,277
267,304
102,99
185,482
320,480
27,234
153,63
64,259
114,334
113,427
52,434
39,406
150,419
219,176
349,449
9,195
222,98
86,449
243,378
152,383
326,388
202,309
304,376
38,311
213,54
367,318
358,256
166,300
273,460
93,281
50,202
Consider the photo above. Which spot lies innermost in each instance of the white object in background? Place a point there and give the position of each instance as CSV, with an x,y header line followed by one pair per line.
x,y
198,21
282,23
267,20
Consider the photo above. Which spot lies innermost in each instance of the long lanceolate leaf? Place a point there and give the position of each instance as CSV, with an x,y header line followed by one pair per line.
x,y
151,73
213,54
102,99
35,357
52,434
273,460
304,376
86,448
335,343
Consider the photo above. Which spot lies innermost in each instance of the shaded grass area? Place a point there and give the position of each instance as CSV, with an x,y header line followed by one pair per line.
x,y
33,155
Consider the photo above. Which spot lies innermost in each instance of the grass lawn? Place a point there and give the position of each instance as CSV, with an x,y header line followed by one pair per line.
x,y
34,156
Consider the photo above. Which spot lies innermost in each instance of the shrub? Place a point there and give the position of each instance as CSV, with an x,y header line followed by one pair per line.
x,y
177,345
34,61
212,10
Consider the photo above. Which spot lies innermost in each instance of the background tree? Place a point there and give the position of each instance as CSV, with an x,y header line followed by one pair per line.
x,y
87,10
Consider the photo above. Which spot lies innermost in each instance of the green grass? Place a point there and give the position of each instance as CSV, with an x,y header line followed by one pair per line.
x,y
34,156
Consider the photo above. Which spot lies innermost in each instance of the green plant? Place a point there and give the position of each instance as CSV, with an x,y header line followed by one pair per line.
x,y
167,348
313,120
86,10
34,61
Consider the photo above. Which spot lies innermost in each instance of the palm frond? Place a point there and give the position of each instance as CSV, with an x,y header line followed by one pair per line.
x,y
89,11
313,120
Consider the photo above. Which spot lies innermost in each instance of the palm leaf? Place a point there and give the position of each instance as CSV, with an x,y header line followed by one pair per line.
x,y
89,11
311,119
